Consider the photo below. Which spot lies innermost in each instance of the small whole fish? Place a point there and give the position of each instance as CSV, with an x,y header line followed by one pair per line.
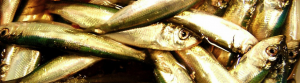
x,y
142,12
292,26
167,69
268,18
162,36
18,62
8,10
236,39
58,68
87,15
46,35
238,11
203,67
255,65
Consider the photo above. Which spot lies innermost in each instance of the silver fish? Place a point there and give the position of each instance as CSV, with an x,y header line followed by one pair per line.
x,y
8,10
292,26
157,36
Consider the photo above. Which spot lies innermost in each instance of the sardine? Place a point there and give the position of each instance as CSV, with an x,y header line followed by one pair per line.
x,y
203,67
119,4
292,26
18,62
66,38
236,39
239,11
8,10
293,52
167,69
257,63
225,57
216,7
142,12
85,15
58,68
36,17
267,19
157,36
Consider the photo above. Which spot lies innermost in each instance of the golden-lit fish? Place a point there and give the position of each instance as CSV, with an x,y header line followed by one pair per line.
x,y
64,37
268,18
225,57
239,11
203,67
292,26
142,12
36,17
8,10
84,15
119,4
157,36
18,62
58,68
218,31
167,69
258,62
216,7
293,52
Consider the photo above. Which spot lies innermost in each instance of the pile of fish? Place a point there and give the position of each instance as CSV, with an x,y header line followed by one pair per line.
x,y
177,41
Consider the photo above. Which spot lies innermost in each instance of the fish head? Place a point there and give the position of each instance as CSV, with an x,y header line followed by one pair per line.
x,y
269,52
293,50
277,4
177,37
9,31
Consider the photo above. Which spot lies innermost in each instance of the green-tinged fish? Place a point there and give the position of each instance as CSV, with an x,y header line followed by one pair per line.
x,y
217,30
18,62
268,18
261,59
64,37
239,11
225,57
204,67
58,68
157,36
142,12
215,7
8,9
109,3
167,69
84,15
293,52
292,26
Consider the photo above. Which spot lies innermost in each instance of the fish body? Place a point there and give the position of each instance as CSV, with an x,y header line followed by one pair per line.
x,y
142,12
64,38
36,17
267,19
238,11
157,36
256,64
215,7
167,69
203,67
292,26
18,62
58,68
225,57
119,4
8,10
236,39
86,15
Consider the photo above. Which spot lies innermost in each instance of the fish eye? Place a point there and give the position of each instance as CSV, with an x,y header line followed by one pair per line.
x,y
292,54
272,50
4,31
183,34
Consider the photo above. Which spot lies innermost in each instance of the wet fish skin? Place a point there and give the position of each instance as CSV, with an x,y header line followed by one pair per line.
x,y
167,69
203,67
36,17
142,12
86,15
267,19
258,62
8,10
238,11
66,38
293,52
292,26
225,57
108,3
58,68
161,36
236,39
216,7
18,62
